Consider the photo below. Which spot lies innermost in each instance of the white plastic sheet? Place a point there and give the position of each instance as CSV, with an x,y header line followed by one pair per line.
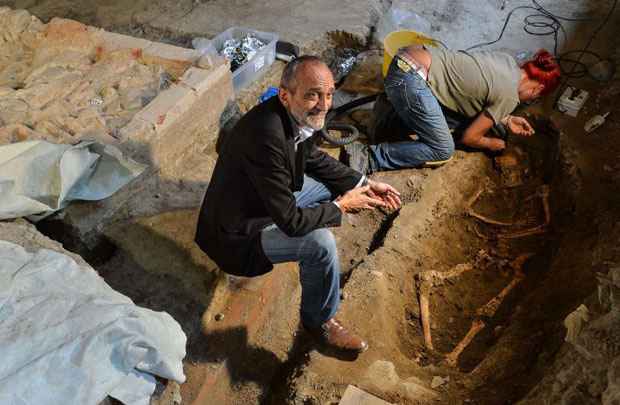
x,y
38,177
66,337
400,16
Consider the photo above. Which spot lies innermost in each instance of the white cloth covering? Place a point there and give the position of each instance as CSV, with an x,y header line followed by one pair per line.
x,y
66,337
38,177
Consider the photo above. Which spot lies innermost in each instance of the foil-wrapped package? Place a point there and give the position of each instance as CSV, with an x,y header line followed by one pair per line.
x,y
343,63
240,51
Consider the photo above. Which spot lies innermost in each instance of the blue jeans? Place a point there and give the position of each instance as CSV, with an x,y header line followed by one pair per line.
x,y
420,111
317,254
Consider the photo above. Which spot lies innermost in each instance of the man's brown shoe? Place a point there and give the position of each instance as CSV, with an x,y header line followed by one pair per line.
x,y
333,334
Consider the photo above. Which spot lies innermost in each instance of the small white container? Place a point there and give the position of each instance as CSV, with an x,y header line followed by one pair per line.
x,y
572,100
258,65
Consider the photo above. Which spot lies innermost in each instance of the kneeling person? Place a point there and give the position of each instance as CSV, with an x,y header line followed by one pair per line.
x,y
271,198
434,89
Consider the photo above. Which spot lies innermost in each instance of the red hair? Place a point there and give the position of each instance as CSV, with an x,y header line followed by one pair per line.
x,y
544,69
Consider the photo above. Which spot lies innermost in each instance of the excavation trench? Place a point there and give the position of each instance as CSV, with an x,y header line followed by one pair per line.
x,y
493,221
475,241
451,283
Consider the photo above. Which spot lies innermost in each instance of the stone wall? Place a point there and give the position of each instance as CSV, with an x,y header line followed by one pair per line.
x,y
175,135
586,369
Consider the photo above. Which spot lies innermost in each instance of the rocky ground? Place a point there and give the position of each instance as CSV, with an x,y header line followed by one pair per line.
x,y
58,84
538,242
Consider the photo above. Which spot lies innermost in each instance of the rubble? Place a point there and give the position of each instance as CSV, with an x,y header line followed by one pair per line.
x,y
382,377
355,396
66,87
587,368
438,381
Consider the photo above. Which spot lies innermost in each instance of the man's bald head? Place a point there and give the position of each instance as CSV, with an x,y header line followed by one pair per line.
x,y
296,67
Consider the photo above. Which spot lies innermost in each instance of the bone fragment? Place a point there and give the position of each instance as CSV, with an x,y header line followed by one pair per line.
x,y
476,326
490,308
523,233
433,275
425,281
544,194
517,264
425,315
472,213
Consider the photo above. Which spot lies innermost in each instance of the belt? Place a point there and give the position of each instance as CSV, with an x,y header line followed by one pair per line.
x,y
406,64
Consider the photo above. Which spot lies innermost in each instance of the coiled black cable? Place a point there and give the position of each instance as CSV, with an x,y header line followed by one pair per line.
x,y
335,113
542,22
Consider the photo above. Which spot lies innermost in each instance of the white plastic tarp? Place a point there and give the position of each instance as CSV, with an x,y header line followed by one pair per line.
x,y
66,337
38,177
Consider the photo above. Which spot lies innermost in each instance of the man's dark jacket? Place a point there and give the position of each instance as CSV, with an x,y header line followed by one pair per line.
x,y
252,186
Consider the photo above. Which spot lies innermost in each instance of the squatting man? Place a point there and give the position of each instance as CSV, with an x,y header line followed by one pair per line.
x,y
273,195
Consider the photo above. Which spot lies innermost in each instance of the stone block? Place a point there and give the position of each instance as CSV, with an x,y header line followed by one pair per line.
x,y
172,52
382,376
208,61
201,80
168,106
186,148
414,389
355,396
111,41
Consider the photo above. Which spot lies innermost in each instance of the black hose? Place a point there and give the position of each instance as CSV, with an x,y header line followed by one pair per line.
x,y
339,126
335,112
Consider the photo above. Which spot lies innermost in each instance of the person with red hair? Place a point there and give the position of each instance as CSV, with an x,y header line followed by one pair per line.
x,y
432,92
543,72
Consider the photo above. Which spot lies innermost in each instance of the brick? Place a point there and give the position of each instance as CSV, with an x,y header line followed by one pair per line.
x,y
136,129
167,107
209,61
196,79
248,310
201,80
172,52
111,41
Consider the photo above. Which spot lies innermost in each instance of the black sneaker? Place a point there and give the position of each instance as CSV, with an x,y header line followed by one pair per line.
x,y
356,156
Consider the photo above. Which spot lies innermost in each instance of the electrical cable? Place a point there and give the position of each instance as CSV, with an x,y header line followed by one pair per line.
x,y
543,23
587,46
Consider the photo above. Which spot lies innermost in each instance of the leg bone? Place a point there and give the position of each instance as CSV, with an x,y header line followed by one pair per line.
x,y
476,326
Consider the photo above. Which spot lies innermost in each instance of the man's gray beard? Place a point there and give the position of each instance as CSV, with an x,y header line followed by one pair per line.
x,y
313,126
306,122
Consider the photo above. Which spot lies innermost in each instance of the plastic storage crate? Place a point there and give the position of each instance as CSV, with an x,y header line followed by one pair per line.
x,y
258,65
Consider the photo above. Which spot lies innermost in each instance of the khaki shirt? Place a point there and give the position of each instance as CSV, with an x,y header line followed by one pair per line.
x,y
470,83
